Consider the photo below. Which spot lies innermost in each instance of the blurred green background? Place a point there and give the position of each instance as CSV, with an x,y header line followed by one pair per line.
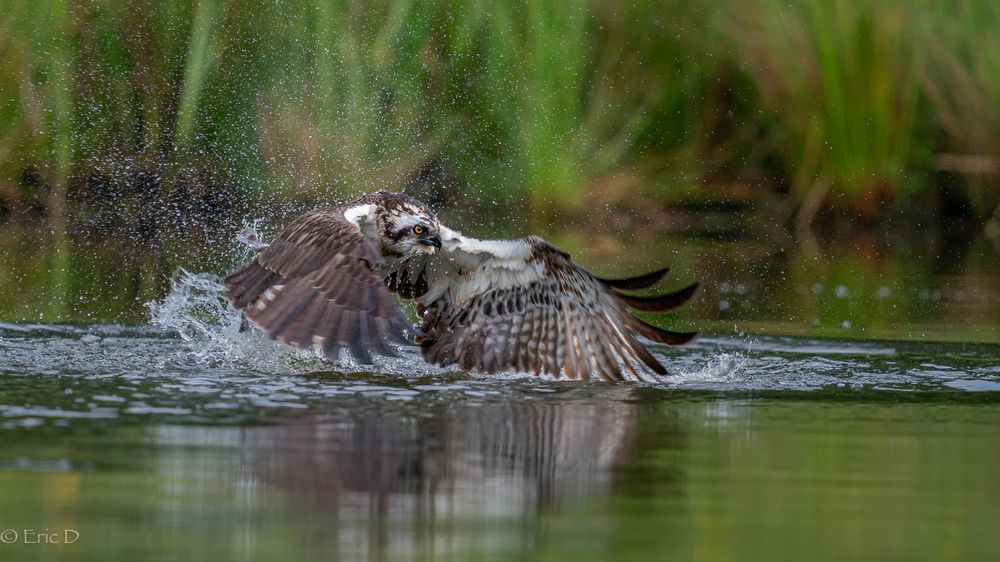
x,y
795,144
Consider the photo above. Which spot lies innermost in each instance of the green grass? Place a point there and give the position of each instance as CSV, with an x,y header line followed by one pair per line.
x,y
197,64
555,105
567,89
840,81
963,51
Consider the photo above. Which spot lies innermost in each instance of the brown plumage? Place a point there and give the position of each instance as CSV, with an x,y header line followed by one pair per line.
x,y
486,306
316,284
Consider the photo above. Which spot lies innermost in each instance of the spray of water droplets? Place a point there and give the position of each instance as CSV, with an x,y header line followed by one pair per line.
x,y
196,309
728,367
217,335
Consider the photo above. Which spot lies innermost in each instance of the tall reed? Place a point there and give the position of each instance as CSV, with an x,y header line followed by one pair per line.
x,y
38,108
196,66
545,103
563,90
840,81
962,82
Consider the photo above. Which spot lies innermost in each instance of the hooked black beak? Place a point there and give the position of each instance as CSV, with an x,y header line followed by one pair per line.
x,y
434,240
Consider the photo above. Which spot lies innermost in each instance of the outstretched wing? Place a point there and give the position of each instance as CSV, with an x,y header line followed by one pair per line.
x,y
524,305
316,285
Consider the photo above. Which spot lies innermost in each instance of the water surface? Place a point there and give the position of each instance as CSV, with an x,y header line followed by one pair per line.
x,y
135,414
866,285
215,445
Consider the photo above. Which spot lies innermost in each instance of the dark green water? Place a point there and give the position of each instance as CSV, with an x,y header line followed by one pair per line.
x,y
151,447
178,438
913,285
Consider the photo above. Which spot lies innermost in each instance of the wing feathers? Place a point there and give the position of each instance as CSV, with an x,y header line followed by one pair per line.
x,y
284,315
485,305
660,335
647,358
605,366
315,285
524,305
660,303
569,351
328,344
246,284
639,282
363,342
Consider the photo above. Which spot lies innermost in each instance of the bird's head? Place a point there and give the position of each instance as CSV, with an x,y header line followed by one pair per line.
x,y
407,227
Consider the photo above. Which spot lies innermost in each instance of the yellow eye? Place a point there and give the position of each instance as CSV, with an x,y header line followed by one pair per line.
x,y
418,229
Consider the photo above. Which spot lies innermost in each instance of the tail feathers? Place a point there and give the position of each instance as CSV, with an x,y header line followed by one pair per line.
x,y
635,283
660,303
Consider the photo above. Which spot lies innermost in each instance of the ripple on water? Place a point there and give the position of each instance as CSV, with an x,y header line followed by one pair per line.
x,y
192,363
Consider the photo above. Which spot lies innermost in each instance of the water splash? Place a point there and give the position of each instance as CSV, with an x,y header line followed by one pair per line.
x,y
196,309
724,367
250,235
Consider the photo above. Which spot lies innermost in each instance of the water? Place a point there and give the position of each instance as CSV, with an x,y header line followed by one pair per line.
x,y
932,286
815,420
187,440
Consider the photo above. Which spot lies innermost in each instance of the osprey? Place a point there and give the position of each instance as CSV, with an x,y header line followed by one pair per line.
x,y
327,281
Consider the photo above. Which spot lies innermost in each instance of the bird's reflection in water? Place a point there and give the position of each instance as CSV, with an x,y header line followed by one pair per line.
x,y
399,479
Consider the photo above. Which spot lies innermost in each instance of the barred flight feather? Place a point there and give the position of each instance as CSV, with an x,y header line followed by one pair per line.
x,y
327,281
